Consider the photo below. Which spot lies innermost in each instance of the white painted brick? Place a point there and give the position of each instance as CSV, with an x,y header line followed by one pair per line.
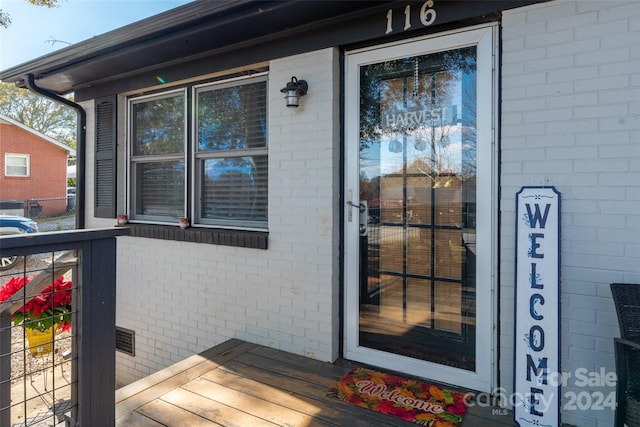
x,y
550,89
629,39
514,92
576,21
601,192
524,104
602,84
524,129
246,293
619,11
605,56
571,127
572,74
554,9
556,141
513,45
549,38
593,85
583,342
525,55
582,153
601,30
547,167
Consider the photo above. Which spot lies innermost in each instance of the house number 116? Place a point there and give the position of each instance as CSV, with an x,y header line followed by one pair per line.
x,y
427,16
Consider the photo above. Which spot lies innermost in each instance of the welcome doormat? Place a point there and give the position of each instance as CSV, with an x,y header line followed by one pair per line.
x,y
415,401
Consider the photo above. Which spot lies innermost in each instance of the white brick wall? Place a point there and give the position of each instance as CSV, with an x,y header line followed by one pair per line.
x,y
570,118
181,298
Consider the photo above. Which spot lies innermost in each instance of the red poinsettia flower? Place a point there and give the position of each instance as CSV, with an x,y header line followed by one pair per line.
x,y
51,307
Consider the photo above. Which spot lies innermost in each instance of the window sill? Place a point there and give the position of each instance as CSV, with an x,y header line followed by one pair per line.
x,y
212,236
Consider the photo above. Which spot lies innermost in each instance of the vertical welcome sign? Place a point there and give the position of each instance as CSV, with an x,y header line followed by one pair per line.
x,y
537,308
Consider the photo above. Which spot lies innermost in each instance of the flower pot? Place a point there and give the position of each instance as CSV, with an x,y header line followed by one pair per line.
x,y
184,222
122,219
40,343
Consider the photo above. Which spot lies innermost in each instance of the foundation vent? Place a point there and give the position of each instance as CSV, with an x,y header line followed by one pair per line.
x,y
125,341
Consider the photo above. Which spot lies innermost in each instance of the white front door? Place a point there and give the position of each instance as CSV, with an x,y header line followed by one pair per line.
x,y
419,223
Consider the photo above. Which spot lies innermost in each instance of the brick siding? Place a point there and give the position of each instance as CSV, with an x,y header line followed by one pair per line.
x,y
48,170
570,106
181,298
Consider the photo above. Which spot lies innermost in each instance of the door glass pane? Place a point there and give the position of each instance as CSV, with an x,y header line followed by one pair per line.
x,y
417,175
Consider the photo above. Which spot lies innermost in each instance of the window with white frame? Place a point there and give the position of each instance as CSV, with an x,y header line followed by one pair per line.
x,y
205,159
16,164
158,157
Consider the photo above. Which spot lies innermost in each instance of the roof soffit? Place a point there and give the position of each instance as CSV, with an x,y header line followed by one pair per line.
x,y
190,30
205,28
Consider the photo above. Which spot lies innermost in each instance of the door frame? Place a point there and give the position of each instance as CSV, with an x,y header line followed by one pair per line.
x,y
485,38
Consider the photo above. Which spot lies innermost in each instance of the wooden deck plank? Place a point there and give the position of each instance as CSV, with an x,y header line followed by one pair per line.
x,y
238,384
262,407
213,410
173,416
315,372
301,395
199,365
328,371
134,419
164,374
282,391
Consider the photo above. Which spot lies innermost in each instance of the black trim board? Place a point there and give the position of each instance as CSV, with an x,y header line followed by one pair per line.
x,y
212,236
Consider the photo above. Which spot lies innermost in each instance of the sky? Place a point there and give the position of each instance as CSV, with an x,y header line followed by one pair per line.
x,y
33,28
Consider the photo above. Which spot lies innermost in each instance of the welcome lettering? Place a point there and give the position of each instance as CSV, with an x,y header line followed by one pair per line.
x,y
380,390
537,345
536,219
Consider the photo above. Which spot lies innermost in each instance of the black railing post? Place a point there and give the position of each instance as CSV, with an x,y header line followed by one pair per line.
x,y
5,370
94,307
96,351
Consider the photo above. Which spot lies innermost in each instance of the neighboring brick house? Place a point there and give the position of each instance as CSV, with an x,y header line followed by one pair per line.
x,y
435,113
33,169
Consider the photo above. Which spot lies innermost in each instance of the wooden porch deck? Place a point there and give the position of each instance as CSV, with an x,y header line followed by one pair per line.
x,y
241,384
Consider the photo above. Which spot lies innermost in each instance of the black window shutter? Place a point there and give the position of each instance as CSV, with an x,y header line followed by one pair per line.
x,y
105,152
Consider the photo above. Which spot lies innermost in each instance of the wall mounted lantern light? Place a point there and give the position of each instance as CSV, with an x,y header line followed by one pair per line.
x,y
294,90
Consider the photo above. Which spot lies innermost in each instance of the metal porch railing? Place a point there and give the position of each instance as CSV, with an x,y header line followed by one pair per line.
x,y
68,379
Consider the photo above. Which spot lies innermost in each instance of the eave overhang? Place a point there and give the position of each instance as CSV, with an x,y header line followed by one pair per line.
x,y
180,33
224,30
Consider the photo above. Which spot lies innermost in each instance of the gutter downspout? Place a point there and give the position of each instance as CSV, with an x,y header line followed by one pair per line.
x,y
81,140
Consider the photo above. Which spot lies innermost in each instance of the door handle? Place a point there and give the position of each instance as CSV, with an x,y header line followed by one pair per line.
x,y
361,206
363,216
352,205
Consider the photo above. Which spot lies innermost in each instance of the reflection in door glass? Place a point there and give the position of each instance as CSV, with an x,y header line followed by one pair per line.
x,y
418,176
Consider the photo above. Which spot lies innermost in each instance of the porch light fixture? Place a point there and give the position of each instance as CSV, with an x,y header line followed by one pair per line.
x,y
294,90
